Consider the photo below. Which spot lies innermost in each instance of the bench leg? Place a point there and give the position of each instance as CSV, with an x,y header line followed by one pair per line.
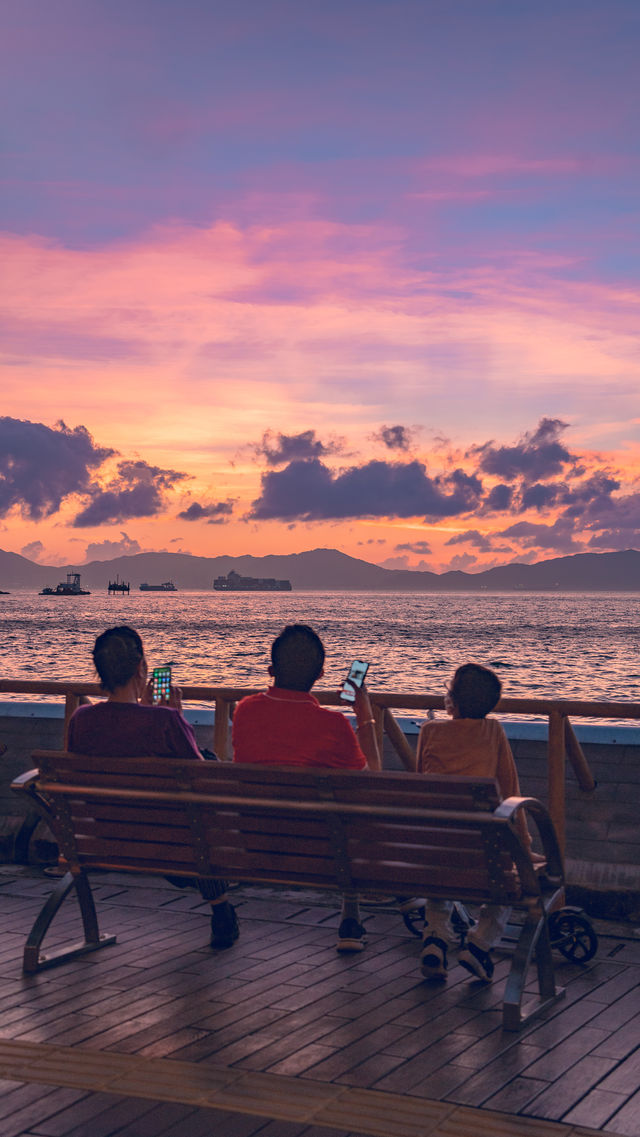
x,y
23,837
533,944
33,959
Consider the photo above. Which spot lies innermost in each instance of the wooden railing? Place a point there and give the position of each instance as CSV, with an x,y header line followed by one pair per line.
x,y
562,741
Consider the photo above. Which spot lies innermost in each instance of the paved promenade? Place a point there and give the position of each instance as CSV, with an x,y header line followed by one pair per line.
x,y
157,1036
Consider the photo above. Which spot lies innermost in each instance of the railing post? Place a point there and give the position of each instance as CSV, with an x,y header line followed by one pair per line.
x,y
221,729
556,774
378,714
71,704
575,754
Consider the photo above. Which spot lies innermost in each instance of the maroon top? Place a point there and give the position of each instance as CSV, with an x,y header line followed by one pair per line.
x,y
129,730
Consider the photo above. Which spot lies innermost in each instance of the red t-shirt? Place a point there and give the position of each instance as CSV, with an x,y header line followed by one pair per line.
x,y
289,728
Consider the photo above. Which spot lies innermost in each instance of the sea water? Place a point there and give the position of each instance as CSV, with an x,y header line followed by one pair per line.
x,y
564,645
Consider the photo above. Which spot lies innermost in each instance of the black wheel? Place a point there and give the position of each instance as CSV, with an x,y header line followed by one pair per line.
x,y
572,934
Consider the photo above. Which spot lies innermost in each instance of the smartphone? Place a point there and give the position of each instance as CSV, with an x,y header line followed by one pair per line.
x,y
161,683
357,672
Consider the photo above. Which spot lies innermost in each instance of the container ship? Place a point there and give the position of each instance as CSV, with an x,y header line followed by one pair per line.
x,y
233,582
168,586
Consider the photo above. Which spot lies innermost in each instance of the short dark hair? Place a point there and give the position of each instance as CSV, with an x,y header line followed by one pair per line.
x,y
116,655
475,690
297,657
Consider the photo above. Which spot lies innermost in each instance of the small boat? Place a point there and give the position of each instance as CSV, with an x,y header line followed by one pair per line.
x,y
233,582
70,587
168,586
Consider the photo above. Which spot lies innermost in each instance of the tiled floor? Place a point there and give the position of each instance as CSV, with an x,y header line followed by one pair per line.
x,y
281,1037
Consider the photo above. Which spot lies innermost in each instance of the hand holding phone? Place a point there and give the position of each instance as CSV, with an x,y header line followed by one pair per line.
x,y
161,684
356,675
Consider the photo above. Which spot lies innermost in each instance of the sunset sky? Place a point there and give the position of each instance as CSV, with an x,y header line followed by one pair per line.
x,y
360,274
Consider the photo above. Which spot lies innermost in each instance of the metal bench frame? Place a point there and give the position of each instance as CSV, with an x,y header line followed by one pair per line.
x,y
402,834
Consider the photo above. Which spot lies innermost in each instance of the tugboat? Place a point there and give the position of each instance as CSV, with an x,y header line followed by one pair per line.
x,y
168,586
70,587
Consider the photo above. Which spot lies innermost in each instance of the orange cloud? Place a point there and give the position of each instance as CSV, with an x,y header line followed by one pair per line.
x,y
183,346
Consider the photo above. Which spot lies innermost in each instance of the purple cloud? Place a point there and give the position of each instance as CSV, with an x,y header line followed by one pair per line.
x,y
616,539
539,496
559,536
40,466
215,514
395,437
591,498
499,499
473,537
278,448
539,455
33,551
138,490
421,547
462,561
107,549
310,491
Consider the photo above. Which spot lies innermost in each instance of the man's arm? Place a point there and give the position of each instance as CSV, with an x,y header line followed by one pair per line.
x,y
367,735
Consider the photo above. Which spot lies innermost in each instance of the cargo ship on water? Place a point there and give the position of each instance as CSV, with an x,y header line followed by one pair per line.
x,y
168,586
70,587
233,582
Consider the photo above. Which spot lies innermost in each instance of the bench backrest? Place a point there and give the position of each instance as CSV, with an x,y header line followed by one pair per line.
x,y
321,828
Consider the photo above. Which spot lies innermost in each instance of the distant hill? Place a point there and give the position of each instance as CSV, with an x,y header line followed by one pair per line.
x,y
333,570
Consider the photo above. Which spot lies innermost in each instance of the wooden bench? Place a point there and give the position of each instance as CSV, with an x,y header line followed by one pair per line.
x,y
402,834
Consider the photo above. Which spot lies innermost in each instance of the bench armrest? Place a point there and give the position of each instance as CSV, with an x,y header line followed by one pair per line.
x,y
27,785
511,807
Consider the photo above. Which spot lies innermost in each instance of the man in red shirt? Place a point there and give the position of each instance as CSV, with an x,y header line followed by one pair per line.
x,y
286,726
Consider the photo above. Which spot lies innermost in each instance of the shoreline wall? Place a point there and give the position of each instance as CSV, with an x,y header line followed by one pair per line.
x,y
603,833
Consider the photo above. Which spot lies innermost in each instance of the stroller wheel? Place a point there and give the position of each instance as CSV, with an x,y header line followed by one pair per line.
x,y
571,933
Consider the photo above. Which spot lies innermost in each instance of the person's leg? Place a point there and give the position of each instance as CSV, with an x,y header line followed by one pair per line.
x,y
475,956
492,921
224,923
351,933
438,933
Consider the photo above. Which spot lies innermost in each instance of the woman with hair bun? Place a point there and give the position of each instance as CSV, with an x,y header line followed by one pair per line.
x,y
127,724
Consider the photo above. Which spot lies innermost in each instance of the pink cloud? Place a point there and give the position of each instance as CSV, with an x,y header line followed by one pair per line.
x,y
276,315
479,165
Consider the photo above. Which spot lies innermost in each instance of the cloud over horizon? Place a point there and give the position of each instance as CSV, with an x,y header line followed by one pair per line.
x,y
215,513
109,549
309,490
137,490
571,493
41,466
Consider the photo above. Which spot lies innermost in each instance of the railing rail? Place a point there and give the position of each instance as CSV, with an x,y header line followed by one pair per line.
x,y
562,741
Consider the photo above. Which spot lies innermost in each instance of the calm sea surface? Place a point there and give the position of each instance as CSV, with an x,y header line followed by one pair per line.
x,y
567,645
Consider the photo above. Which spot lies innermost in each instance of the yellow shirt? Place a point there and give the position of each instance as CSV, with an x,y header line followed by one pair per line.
x,y
474,747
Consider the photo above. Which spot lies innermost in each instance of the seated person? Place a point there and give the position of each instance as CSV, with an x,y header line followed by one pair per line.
x,y
286,726
128,725
467,744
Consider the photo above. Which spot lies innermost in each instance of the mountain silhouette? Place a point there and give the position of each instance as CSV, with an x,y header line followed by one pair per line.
x,y
332,570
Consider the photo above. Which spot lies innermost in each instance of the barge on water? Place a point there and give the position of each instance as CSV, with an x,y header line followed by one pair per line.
x,y
167,586
118,585
70,587
233,582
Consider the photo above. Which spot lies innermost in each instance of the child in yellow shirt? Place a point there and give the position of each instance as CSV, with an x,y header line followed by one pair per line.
x,y
468,743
